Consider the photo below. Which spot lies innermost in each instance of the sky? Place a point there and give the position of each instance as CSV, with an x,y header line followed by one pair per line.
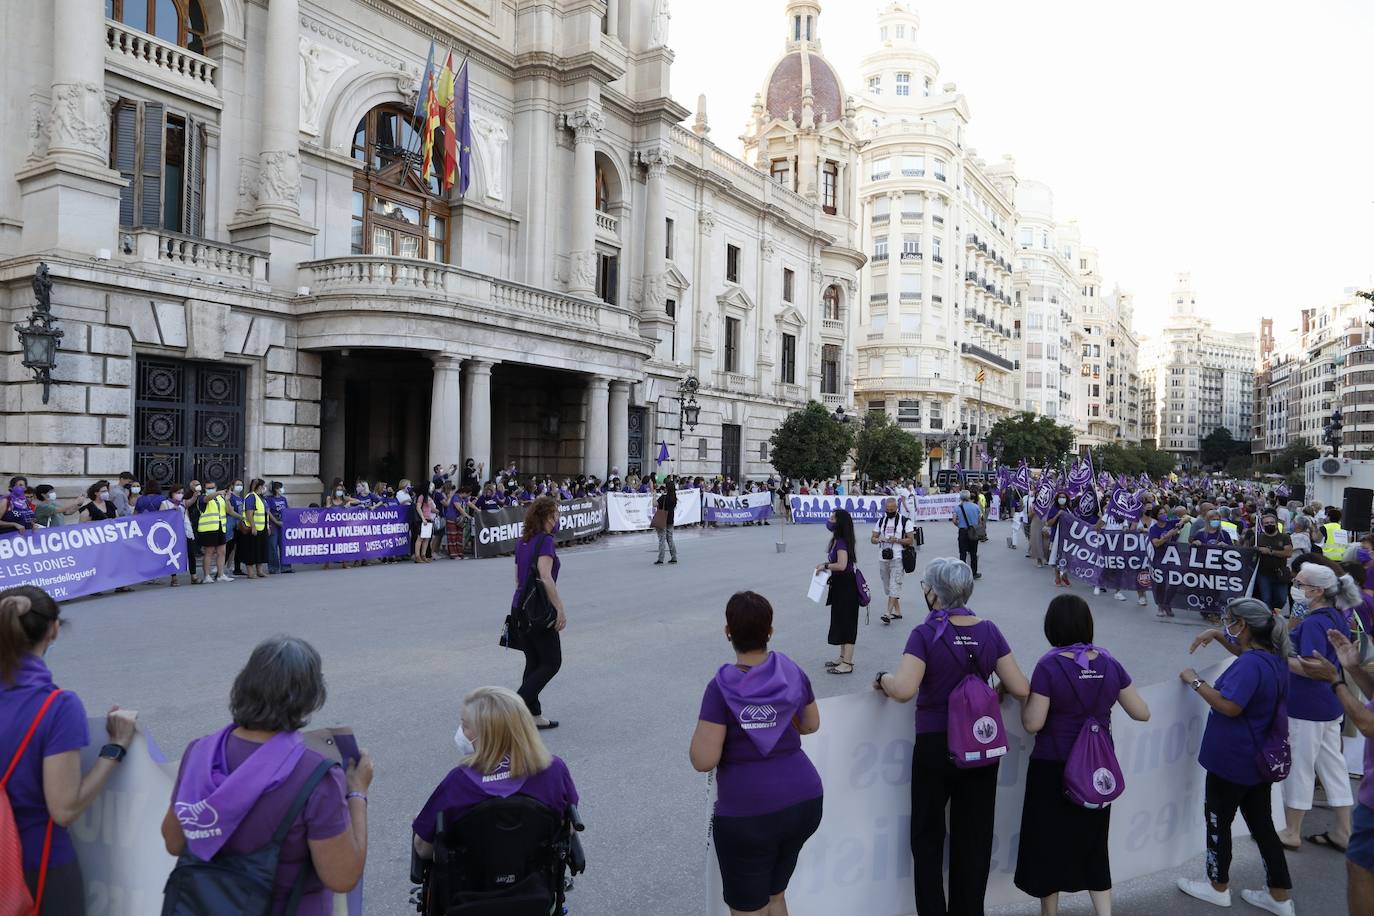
x,y
1233,140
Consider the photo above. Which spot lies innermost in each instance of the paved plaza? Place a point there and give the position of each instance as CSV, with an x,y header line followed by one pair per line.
x,y
402,644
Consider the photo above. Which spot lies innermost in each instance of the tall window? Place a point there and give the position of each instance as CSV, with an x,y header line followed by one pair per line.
x,y
781,172
607,276
178,22
830,369
909,413
395,213
668,239
671,308
880,248
875,85
940,169
162,157
914,166
789,359
731,344
603,190
904,84
830,185
732,263
788,284
936,419
830,299
935,250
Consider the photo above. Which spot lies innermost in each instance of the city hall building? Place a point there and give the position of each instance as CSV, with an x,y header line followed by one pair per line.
x,y
253,279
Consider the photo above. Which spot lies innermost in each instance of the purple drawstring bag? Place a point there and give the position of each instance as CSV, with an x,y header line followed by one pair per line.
x,y
975,732
1092,774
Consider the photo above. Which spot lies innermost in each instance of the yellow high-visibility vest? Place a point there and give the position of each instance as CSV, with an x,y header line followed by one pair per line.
x,y
1331,548
256,517
213,515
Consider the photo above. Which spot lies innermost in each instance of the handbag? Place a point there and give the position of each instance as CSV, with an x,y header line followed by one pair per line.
x,y
532,609
909,550
660,520
511,637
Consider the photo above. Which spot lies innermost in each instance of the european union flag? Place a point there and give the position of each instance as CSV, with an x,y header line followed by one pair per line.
x,y
463,104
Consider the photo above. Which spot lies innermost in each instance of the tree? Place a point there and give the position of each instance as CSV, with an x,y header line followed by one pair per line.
x,y
811,444
1115,458
1293,457
1240,466
1219,447
1037,439
1157,464
885,451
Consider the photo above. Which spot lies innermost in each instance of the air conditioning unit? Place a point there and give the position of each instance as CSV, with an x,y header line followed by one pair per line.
x,y
1334,467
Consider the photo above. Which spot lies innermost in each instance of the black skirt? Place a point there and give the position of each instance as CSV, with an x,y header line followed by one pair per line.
x,y
843,599
1063,846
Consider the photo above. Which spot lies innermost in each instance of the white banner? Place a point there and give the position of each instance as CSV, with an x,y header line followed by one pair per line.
x,y
938,507
862,851
119,837
815,510
634,511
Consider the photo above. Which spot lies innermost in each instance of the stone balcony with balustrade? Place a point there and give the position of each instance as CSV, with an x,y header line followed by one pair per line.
x,y
210,262
149,59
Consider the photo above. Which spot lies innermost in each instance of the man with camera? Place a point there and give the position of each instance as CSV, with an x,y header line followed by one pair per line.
x,y
897,536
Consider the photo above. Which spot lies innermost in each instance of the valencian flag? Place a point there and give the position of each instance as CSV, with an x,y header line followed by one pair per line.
x,y
433,119
422,100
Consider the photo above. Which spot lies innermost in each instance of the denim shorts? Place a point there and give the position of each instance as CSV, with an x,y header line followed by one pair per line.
x,y
1361,848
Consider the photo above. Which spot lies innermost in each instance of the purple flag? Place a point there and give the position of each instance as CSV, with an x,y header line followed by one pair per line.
x,y
338,533
1022,478
462,101
1087,504
1080,476
74,560
1124,505
662,451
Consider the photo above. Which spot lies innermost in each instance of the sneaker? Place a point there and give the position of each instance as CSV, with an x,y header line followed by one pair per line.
x,y
1140,600
1098,590
1204,891
225,577
977,575
658,562
1120,596
1262,900
672,561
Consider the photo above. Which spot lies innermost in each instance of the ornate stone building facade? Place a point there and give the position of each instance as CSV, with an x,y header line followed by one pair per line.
x,y
254,279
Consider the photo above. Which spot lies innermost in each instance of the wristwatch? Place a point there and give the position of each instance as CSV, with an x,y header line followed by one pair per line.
x,y
113,752
878,681
1197,683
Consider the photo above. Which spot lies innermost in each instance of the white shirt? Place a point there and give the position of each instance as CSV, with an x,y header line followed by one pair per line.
x,y
889,530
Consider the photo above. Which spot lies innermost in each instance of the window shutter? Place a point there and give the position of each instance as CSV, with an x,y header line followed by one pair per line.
x,y
193,195
150,166
613,281
124,153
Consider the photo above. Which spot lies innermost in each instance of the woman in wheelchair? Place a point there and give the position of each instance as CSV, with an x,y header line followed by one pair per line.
x,y
752,718
499,828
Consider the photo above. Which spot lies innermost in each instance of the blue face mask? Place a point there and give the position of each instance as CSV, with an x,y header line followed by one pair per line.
x,y
1226,633
829,526
1214,523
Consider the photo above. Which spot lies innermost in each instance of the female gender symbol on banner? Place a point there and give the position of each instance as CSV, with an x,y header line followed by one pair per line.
x,y
168,549
1125,505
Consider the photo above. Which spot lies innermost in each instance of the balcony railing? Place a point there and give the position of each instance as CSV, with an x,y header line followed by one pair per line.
x,y
879,176
877,297
912,216
911,256
879,257
986,356
213,261
832,326
146,55
937,259
911,297
607,223
914,173
938,220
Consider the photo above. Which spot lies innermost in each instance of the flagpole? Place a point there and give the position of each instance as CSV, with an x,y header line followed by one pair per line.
x,y
433,75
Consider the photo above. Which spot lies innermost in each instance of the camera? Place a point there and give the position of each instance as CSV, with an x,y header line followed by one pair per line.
x,y
887,553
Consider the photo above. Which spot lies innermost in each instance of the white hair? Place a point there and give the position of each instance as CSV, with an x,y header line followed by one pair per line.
x,y
951,580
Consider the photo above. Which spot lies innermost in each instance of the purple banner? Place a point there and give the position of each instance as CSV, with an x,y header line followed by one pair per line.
x,y
338,534
68,561
1106,558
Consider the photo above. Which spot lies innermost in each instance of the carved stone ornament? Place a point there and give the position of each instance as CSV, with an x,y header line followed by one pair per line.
x,y
663,17
584,269
816,273
321,67
707,220
657,160
492,137
655,292
279,178
38,129
248,186
586,124
706,326
80,119
768,248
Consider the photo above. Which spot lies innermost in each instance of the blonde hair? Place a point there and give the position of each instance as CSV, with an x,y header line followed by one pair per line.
x,y
503,727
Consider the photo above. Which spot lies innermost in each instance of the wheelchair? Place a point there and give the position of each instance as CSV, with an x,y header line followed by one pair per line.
x,y
505,857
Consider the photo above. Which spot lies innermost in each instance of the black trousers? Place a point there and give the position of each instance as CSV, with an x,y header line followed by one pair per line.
x,y
1223,798
543,657
971,796
968,547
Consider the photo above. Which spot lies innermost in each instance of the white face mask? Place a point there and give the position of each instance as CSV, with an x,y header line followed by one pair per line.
x,y
135,489
210,491
238,488
464,743
338,493
403,497
104,494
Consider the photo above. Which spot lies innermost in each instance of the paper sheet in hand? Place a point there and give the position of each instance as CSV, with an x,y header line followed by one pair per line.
x,y
817,590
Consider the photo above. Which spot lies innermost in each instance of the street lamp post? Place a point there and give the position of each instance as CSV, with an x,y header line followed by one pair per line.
x,y
688,412
39,337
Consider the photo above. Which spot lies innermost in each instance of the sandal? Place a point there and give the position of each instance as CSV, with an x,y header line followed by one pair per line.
x,y
842,668
888,618
1324,839
835,663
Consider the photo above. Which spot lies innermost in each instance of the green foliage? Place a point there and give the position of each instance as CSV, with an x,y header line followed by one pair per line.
x,y
1240,467
1292,460
1037,439
885,451
1219,447
1133,460
811,444
1157,463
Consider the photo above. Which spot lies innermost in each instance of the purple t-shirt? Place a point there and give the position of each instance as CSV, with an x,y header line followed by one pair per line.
x,y
1253,682
749,783
1074,694
325,816
458,793
834,555
1311,700
947,663
525,553
63,729
276,505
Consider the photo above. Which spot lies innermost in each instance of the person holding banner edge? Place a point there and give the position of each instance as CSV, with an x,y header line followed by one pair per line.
x,y
1237,742
932,675
43,778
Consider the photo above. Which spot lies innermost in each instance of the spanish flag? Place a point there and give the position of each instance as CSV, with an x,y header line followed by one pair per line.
x,y
449,174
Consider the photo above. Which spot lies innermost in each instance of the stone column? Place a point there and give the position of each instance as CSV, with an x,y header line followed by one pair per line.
x,y
620,427
477,415
894,265
596,443
279,162
613,18
79,128
586,123
658,160
445,446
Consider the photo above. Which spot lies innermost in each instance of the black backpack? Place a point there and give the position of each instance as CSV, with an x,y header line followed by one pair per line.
x,y
239,884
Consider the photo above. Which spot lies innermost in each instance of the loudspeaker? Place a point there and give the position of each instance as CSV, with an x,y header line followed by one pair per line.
x,y
1355,508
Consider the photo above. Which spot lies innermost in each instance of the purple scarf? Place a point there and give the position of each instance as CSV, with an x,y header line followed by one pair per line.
x,y
211,802
763,699
498,782
33,672
940,617
1080,652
